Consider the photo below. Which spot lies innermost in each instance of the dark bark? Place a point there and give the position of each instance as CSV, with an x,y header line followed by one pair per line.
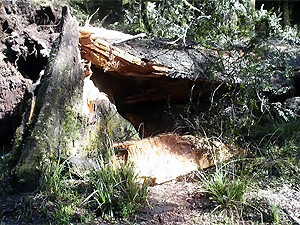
x,y
56,109
60,125
286,13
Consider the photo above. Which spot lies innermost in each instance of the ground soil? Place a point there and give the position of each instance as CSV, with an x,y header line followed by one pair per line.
x,y
178,202
182,202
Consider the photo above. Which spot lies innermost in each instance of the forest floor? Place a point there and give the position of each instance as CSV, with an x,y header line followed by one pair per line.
x,y
182,201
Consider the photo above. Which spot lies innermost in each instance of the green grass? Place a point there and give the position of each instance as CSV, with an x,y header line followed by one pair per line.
x,y
58,189
109,190
226,189
276,215
116,190
55,179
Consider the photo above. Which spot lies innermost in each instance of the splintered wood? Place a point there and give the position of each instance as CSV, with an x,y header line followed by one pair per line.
x,y
111,59
168,156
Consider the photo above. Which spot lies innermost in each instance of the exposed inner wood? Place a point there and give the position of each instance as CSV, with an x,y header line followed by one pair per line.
x,y
146,93
152,98
167,156
113,59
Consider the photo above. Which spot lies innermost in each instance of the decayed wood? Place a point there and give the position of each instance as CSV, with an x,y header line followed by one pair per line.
x,y
111,36
166,156
48,9
113,59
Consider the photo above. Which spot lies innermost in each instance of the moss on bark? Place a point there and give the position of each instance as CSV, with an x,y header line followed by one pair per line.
x,y
58,115
60,128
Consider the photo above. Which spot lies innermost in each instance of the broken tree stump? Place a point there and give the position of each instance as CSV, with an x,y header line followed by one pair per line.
x,y
70,118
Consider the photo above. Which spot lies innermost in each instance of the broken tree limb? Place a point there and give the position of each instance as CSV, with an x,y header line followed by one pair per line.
x,y
141,73
113,59
111,36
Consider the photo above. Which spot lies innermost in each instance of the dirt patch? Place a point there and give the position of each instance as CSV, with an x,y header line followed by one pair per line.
x,y
170,203
182,202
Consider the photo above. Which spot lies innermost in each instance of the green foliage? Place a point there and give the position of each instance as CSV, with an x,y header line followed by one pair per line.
x,y
116,189
115,192
274,154
54,178
212,22
245,55
226,189
58,186
64,212
276,215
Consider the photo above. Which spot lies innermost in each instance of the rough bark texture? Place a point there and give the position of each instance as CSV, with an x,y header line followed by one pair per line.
x,y
61,117
13,88
61,125
112,59
57,122
182,61
286,13
149,80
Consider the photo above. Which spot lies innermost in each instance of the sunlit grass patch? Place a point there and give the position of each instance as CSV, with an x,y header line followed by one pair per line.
x,y
116,190
227,189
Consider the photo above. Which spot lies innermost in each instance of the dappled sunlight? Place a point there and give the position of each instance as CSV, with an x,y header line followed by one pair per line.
x,y
157,162
91,94
167,156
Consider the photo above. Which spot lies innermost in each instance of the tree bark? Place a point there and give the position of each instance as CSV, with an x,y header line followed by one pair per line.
x,y
286,13
57,120
144,16
63,125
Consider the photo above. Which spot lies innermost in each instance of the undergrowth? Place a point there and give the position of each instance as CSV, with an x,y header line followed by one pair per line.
x,y
58,187
271,162
226,188
109,191
116,190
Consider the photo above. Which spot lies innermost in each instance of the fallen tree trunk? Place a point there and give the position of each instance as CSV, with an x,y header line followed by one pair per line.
x,y
144,77
76,117
167,156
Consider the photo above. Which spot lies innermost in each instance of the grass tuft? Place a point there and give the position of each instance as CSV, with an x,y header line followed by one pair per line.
x,y
58,189
116,190
226,189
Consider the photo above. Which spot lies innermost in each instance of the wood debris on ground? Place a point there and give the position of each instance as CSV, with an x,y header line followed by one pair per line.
x,y
168,156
